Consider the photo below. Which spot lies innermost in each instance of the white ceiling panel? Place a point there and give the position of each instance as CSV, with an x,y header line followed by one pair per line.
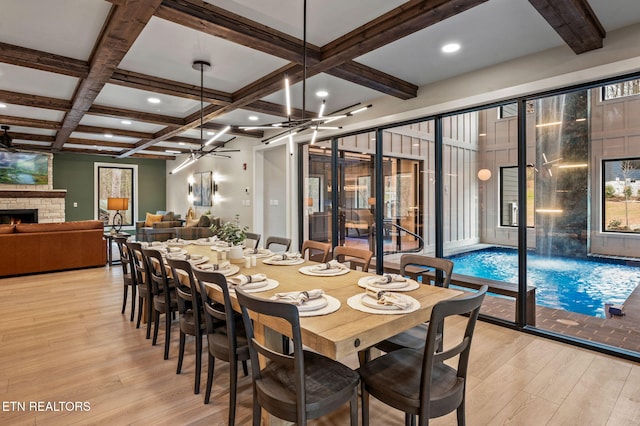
x,y
116,123
485,36
134,99
102,137
614,14
30,112
64,27
96,147
168,50
240,117
28,142
36,82
31,131
326,19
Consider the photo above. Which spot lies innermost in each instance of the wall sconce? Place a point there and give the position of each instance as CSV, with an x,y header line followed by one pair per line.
x,y
190,182
484,174
215,188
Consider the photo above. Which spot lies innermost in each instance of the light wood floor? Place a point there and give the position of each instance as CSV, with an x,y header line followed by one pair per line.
x,y
62,338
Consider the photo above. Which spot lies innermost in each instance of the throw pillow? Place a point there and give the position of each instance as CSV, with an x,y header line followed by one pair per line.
x,y
168,217
191,223
204,221
151,219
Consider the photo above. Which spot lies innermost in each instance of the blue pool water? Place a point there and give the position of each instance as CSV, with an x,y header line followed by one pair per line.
x,y
576,285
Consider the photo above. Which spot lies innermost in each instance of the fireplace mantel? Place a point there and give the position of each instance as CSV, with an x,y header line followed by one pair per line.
x,y
61,193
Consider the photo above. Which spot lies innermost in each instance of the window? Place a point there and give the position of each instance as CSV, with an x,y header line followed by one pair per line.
x,y
115,181
509,196
621,195
622,89
511,110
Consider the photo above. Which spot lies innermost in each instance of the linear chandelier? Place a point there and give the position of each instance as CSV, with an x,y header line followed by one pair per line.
x,y
292,127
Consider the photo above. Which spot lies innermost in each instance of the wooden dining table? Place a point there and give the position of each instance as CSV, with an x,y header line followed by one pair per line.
x,y
347,330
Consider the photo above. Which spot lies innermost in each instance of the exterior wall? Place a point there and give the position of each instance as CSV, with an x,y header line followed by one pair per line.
x,y
615,134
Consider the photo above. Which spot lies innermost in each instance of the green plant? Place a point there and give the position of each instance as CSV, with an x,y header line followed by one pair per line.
x,y
609,191
230,233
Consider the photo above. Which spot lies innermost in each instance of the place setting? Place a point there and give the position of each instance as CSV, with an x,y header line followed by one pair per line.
x,y
253,283
284,259
207,241
310,303
177,242
193,259
259,253
394,282
329,269
225,268
376,301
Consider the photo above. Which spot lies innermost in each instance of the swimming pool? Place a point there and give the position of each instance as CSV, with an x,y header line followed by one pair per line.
x,y
576,285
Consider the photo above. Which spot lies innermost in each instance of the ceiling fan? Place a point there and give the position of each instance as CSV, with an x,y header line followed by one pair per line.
x,y
292,127
6,140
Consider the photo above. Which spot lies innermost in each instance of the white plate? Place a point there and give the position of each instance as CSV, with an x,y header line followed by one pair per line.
x,y
261,253
309,270
226,272
313,304
203,259
253,286
283,262
203,242
373,303
406,285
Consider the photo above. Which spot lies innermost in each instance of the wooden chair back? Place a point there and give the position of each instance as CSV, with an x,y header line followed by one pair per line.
x,y
354,256
316,250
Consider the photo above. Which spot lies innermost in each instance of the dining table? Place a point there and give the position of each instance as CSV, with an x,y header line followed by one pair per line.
x,y
346,330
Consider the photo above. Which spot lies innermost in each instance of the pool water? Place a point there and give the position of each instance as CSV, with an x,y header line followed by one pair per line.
x,y
576,285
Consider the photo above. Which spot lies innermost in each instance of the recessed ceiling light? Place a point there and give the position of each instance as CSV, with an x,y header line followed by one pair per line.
x,y
3,106
153,100
322,93
450,47
210,133
253,117
172,151
108,135
127,122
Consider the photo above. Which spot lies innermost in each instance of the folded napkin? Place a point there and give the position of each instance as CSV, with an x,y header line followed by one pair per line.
x,y
332,264
215,266
387,278
156,243
285,256
242,279
389,299
174,249
257,251
298,297
176,240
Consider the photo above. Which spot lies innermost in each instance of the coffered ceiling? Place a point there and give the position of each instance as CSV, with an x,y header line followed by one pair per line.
x,y
76,76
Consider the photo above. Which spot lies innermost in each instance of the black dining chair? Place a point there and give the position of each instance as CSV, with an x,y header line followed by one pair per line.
x,y
190,316
426,382
299,386
128,274
253,239
277,244
225,335
164,295
145,297
415,337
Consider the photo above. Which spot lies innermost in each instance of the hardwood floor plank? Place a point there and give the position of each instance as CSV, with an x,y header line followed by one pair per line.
x,y
63,338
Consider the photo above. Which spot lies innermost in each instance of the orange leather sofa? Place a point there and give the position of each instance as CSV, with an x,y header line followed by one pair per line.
x,y
29,248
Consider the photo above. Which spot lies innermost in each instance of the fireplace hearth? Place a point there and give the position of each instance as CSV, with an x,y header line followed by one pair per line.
x,y
18,216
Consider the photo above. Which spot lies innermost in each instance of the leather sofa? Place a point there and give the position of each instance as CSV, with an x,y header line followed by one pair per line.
x,y
29,248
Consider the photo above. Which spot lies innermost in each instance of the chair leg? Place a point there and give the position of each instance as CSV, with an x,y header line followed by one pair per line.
x,y
353,407
133,300
460,414
180,352
364,356
211,365
140,304
149,316
167,333
365,405
257,414
124,298
245,370
233,382
196,384
156,324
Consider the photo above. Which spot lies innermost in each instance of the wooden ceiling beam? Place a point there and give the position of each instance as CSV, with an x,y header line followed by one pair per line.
x,y
32,137
121,113
404,20
43,61
123,26
29,122
114,132
35,101
374,79
574,21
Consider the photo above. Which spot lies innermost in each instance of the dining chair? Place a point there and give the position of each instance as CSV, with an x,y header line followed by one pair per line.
x,y
298,386
415,337
418,381
128,274
282,244
145,297
189,313
164,295
225,335
253,239
354,256
316,250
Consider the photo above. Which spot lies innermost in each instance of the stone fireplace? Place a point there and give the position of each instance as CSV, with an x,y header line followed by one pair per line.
x,y
48,202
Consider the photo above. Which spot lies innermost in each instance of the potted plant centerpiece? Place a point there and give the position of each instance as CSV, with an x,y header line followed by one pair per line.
x,y
233,235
